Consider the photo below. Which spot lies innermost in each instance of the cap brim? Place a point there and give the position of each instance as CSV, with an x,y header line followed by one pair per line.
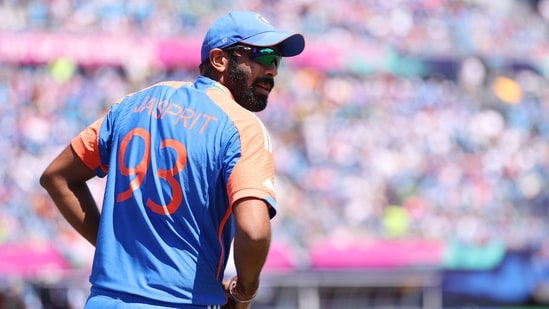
x,y
289,44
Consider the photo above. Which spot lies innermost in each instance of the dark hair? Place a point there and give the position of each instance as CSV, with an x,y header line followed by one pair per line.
x,y
206,69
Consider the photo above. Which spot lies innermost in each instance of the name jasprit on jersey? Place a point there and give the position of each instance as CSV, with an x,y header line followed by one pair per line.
x,y
188,117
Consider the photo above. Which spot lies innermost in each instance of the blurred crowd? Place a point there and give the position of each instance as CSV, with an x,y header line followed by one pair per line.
x,y
461,156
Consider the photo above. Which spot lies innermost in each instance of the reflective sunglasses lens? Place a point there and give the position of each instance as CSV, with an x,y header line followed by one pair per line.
x,y
268,59
266,56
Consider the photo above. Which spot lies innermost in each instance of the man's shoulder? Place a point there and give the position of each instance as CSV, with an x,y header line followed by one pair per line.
x,y
172,84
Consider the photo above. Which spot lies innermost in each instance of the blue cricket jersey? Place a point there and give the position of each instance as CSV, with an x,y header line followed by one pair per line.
x,y
177,156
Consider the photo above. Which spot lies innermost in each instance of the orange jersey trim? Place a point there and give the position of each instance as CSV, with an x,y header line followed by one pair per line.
x,y
86,144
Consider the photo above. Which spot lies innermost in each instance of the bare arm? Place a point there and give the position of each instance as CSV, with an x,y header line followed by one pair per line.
x,y
65,181
251,246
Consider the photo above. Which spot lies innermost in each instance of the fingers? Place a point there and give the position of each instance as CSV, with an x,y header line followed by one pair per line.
x,y
231,303
226,285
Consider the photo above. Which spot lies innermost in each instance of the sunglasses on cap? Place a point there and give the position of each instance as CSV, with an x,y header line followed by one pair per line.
x,y
262,55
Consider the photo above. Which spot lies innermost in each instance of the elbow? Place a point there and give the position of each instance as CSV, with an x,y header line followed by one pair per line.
x,y
45,180
253,225
48,180
259,236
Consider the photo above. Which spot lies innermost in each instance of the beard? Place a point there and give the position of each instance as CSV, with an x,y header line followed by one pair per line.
x,y
244,95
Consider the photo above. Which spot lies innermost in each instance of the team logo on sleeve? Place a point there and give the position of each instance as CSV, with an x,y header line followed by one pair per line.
x,y
268,183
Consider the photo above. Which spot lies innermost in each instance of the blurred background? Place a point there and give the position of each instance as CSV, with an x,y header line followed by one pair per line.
x,y
411,143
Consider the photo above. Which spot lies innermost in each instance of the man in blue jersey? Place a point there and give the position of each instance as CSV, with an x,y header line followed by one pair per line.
x,y
189,170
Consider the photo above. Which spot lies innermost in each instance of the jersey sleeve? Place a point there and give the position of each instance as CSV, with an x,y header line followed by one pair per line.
x,y
253,174
249,161
86,145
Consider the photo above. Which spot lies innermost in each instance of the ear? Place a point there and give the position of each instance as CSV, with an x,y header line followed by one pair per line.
x,y
218,60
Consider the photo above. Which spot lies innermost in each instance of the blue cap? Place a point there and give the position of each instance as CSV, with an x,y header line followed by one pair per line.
x,y
252,29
